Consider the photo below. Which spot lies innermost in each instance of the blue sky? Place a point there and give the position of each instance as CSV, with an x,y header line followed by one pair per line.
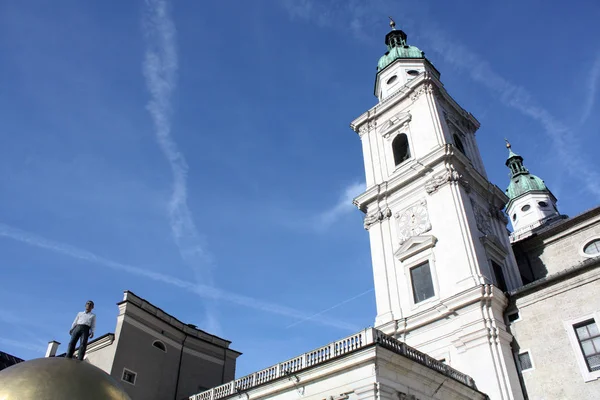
x,y
201,157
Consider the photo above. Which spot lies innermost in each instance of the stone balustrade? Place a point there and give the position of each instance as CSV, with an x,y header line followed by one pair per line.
x,y
362,339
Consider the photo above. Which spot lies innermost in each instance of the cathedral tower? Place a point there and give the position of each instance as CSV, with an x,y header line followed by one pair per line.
x,y
531,204
441,255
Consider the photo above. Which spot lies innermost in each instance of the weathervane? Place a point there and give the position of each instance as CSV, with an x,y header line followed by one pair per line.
x,y
392,23
507,143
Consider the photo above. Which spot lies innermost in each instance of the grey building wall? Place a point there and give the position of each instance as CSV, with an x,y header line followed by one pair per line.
x,y
563,291
156,371
543,328
557,247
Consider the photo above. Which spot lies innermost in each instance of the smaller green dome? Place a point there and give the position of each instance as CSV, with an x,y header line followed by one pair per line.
x,y
396,53
397,48
524,183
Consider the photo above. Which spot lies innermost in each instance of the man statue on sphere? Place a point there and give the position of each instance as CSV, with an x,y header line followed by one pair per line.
x,y
83,327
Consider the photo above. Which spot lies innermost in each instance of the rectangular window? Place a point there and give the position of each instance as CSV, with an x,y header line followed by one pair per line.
x,y
500,282
422,284
589,342
129,376
525,361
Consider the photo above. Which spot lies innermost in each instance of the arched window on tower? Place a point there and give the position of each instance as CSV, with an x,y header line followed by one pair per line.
x,y
458,144
401,149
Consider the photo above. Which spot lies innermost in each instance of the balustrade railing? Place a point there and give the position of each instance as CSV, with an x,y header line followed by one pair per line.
x,y
338,348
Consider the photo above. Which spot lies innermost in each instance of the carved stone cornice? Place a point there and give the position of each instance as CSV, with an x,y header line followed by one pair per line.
x,y
449,176
376,217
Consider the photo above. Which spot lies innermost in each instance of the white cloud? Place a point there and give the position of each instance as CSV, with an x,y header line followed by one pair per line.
x,y
160,71
202,290
343,207
592,89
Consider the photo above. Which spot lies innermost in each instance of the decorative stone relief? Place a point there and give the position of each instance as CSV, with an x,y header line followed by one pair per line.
x,y
413,221
375,217
451,175
367,127
427,88
395,123
462,123
482,217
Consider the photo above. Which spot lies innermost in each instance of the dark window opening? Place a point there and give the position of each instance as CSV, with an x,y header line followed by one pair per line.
x,y
526,207
392,80
589,342
129,376
422,284
514,217
400,148
542,204
513,317
500,281
525,361
459,144
159,345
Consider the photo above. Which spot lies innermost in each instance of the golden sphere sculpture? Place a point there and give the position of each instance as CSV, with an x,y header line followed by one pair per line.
x,y
58,378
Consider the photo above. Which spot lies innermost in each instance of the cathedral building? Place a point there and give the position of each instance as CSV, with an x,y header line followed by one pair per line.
x,y
465,309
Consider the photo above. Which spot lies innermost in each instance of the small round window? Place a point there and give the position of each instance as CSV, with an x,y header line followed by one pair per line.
x,y
514,217
392,80
412,72
592,248
526,207
542,204
159,345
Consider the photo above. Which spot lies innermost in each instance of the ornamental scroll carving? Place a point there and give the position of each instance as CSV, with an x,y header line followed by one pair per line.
x,y
482,217
374,217
426,88
452,175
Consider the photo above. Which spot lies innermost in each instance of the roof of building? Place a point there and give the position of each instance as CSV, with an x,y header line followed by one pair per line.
x,y
395,41
189,329
521,181
8,360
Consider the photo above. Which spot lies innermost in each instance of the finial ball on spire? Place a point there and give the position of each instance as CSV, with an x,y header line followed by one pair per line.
x,y
507,143
392,24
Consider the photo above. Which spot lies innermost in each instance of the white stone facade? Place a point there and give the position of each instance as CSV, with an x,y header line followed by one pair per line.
x,y
367,365
437,207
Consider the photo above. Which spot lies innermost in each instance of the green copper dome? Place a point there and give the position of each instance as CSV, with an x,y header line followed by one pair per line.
x,y
523,184
521,181
397,48
396,53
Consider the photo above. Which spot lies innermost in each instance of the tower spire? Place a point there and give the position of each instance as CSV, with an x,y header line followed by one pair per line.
x,y
392,23
514,162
